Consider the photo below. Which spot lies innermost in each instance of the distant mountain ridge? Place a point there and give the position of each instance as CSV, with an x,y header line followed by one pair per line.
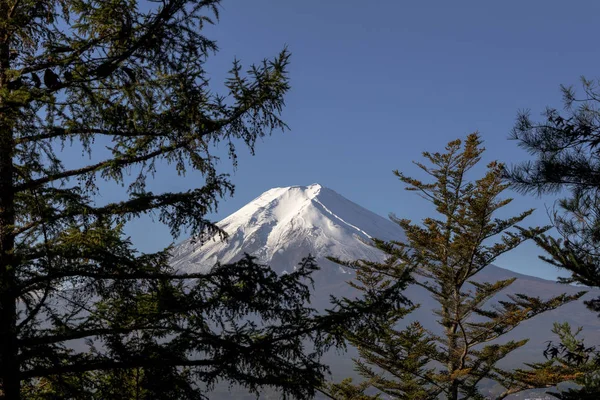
x,y
283,225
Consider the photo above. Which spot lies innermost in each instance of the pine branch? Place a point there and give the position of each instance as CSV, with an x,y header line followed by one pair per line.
x,y
122,162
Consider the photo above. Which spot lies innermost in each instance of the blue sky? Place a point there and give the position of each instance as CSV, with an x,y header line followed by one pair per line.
x,y
376,83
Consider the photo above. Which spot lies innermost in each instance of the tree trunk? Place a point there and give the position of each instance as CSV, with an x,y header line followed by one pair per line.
x,y
452,364
9,363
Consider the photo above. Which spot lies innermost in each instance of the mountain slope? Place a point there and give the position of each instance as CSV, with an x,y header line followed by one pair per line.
x,y
283,225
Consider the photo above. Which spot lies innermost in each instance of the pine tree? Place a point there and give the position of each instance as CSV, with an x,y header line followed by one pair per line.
x,y
565,147
566,151
573,358
444,253
375,333
123,83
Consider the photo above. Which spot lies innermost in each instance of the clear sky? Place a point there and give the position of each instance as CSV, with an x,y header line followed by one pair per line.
x,y
375,83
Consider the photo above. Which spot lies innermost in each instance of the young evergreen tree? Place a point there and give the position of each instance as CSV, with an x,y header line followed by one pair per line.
x,y
566,150
444,253
123,83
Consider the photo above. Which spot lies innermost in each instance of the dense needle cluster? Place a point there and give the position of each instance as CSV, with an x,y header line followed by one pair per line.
x,y
565,146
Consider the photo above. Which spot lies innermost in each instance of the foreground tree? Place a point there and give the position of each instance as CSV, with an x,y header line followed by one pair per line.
x,y
572,357
445,253
123,82
566,150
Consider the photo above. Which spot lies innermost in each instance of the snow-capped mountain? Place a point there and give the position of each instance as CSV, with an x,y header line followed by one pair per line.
x,y
283,225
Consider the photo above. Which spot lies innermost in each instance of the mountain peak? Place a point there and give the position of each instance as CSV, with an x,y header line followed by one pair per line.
x,y
285,224
294,221
298,193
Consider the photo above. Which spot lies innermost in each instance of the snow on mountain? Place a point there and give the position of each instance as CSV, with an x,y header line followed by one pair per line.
x,y
283,225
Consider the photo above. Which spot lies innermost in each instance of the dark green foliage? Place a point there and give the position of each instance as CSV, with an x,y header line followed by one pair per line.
x,y
565,146
238,323
346,389
377,336
566,151
444,253
574,360
82,314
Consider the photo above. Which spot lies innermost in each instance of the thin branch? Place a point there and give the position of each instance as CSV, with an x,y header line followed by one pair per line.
x,y
96,365
55,132
126,161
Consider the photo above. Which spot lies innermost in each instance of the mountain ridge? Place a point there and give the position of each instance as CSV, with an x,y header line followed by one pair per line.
x,y
285,224
271,202
292,220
